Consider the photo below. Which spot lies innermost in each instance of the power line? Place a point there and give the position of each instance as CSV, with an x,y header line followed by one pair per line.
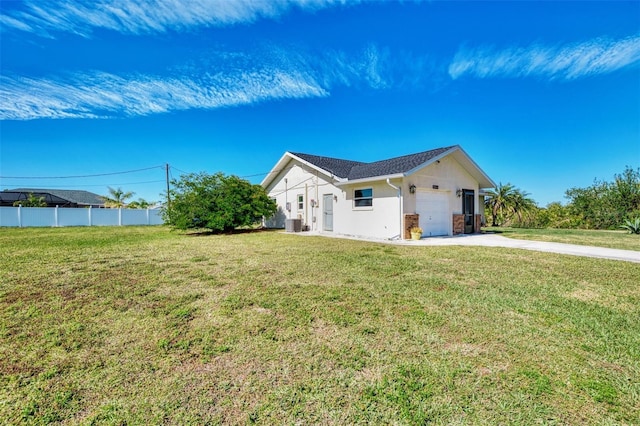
x,y
298,186
181,171
81,176
89,185
162,167
242,177
246,176
261,174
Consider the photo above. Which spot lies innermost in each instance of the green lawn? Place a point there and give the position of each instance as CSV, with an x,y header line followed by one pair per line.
x,y
140,325
612,239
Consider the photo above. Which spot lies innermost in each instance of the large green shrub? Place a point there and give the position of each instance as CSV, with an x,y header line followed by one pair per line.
x,y
216,202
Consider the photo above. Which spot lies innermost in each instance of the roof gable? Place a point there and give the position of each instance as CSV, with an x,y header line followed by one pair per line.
x,y
347,171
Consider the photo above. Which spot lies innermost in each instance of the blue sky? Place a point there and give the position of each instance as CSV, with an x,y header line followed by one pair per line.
x,y
545,95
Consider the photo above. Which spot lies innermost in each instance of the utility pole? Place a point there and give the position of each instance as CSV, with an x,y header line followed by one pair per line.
x,y
167,177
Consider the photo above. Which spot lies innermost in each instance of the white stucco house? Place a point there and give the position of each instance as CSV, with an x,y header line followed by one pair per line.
x,y
440,190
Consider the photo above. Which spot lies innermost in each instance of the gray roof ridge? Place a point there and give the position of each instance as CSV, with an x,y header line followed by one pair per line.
x,y
406,156
336,166
302,154
396,165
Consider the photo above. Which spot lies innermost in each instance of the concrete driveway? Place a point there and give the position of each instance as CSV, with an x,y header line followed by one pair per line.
x,y
493,240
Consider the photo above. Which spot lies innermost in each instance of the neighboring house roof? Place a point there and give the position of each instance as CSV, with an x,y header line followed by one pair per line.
x,y
74,196
8,198
346,171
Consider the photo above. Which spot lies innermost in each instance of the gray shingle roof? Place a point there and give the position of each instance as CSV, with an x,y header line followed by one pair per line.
x,y
7,198
73,195
352,170
338,167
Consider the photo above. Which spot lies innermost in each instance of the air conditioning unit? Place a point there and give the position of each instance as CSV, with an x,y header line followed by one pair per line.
x,y
293,225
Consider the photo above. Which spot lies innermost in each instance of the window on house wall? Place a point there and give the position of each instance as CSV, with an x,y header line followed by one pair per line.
x,y
300,202
363,197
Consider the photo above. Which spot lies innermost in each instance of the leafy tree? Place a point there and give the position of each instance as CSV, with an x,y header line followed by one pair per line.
x,y
116,198
555,215
626,192
31,201
216,202
141,203
605,205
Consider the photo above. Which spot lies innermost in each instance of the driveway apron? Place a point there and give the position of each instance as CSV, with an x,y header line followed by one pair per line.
x,y
492,240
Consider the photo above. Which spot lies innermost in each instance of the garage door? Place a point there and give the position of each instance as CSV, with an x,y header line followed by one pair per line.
x,y
433,208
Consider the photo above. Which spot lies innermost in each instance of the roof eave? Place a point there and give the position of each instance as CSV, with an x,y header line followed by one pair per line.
x,y
370,179
275,170
318,169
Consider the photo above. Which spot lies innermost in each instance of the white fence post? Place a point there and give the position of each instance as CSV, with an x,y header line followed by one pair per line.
x,y
19,216
119,216
55,217
90,222
148,220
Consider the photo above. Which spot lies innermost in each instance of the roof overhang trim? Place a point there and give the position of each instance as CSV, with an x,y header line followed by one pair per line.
x,y
345,182
318,169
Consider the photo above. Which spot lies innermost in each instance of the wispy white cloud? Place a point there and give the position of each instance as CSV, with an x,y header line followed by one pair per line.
x,y
82,17
102,95
216,80
568,62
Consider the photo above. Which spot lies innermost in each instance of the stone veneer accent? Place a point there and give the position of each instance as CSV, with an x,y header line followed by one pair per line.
x,y
478,227
458,224
410,220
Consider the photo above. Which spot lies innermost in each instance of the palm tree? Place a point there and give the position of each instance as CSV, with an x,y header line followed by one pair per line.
x,y
141,203
500,201
31,201
507,201
522,204
117,197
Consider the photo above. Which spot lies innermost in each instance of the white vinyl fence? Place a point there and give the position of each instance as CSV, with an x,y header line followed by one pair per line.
x,y
23,217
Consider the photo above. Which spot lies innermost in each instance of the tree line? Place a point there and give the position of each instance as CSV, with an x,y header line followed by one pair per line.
x,y
602,205
222,203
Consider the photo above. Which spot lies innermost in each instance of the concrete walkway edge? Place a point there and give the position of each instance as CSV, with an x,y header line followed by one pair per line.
x,y
493,240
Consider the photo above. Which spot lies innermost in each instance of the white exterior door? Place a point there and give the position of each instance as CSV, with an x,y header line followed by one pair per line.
x,y
327,211
433,208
